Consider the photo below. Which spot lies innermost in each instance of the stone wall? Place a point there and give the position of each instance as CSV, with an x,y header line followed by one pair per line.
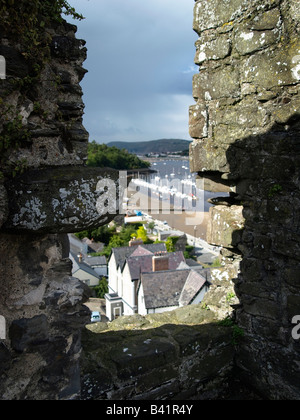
x,y
245,126
42,306
179,355
45,192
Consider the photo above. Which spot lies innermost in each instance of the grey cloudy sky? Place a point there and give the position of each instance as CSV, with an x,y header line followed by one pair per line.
x,y
140,63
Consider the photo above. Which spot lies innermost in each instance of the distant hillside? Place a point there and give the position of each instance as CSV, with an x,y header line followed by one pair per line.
x,y
152,146
101,156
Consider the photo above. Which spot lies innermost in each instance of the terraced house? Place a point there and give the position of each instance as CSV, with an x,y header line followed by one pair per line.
x,y
148,279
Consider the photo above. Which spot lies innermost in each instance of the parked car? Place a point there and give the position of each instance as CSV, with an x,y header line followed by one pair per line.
x,y
95,317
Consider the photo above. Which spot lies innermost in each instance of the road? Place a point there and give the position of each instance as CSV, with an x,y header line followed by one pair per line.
x,y
204,252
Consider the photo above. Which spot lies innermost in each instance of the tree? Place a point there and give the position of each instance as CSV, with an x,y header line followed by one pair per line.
x,y
102,288
115,242
171,242
188,253
142,234
151,226
100,234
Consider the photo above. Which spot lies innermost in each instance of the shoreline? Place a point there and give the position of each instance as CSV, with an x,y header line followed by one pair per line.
x,y
179,222
163,158
184,221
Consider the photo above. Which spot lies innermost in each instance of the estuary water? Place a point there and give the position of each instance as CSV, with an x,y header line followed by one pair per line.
x,y
172,195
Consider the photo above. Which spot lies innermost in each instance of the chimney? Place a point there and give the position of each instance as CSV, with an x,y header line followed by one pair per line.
x,y
160,262
135,242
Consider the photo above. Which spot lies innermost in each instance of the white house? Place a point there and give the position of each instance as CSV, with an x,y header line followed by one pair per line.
x,y
121,296
147,279
144,261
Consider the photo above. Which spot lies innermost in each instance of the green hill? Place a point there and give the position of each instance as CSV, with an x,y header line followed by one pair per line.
x,y
102,155
152,146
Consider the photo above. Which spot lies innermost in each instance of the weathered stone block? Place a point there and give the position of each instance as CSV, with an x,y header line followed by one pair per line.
x,y
66,294
206,156
198,121
211,366
221,15
62,199
266,21
261,307
284,112
140,357
170,355
248,41
210,48
209,15
155,378
272,69
28,332
213,183
220,83
239,121
68,48
225,225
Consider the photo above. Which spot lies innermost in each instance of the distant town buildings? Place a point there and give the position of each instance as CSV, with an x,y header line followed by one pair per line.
x,y
86,268
142,278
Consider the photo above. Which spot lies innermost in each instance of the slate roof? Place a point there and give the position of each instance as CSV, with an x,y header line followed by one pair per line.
x,y
81,266
85,246
183,266
192,263
92,245
143,263
76,245
140,251
124,252
163,288
204,272
96,261
192,287
171,288
138,265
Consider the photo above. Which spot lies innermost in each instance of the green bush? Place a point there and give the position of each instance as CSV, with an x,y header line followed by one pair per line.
x,y
101,289
171,243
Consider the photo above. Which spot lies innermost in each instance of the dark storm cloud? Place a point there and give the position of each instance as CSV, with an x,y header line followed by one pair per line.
x,y
140,63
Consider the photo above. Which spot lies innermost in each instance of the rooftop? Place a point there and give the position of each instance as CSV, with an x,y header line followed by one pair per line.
x,y
143,263
171,288
122,253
